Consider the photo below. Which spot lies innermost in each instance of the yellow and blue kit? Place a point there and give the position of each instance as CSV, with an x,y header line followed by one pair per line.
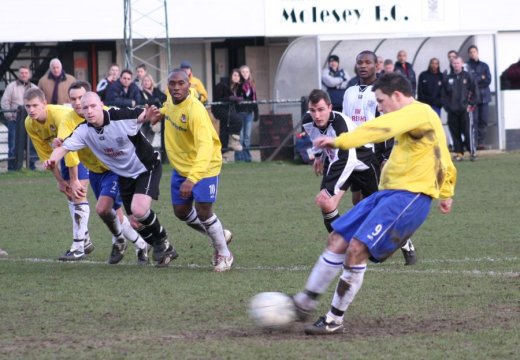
x,y
420,161
191,142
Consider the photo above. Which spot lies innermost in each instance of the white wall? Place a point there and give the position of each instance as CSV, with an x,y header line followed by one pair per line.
x,y
58,20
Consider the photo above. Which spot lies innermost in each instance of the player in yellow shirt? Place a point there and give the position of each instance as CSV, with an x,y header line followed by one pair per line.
x,y
418,170
194,151
42,125
104,183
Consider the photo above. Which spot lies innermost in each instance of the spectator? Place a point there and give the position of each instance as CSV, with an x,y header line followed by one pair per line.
x,y
152,95
11,100
459,96
405,68
452,54
248,112
124,92
480,72
140,72
512,77
55,83
388,66
196,84
230,120
430,86
112,76
335,81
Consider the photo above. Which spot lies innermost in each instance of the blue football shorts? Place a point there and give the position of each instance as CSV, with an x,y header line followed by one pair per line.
x,y
106,184
82,171
384,221
205,191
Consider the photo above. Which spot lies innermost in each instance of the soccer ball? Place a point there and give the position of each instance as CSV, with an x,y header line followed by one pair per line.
x,y
272,310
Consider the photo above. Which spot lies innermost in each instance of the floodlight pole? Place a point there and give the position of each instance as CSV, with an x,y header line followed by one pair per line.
x,y
168,50
129,46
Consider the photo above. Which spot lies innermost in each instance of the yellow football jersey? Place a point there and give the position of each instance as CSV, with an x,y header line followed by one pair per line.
x,y
42,134
420,161
191,142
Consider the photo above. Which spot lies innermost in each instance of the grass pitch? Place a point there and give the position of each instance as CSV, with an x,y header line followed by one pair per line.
x,y
461,301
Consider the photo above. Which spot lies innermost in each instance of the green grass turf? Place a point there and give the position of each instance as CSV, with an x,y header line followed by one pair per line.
x,y
461,301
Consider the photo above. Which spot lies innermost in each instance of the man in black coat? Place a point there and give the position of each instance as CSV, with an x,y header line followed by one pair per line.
x,y
459,97
124,92
480,72
405,68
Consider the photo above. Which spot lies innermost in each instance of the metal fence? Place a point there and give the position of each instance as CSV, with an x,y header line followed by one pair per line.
x,y
276,123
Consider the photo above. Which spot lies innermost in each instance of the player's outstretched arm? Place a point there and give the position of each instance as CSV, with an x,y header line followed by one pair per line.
x,y
324,142
151,114
78,191
57,154
445,205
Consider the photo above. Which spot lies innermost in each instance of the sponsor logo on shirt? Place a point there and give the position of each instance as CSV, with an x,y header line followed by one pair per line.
x,y
113,153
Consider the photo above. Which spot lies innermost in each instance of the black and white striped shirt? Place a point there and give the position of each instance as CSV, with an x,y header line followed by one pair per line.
x,y
119,143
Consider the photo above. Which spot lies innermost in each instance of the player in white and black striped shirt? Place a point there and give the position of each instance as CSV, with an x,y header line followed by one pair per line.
x,y
114,136
341,169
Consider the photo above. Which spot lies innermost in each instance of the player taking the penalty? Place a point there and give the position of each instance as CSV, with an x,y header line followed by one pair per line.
x,y
419,170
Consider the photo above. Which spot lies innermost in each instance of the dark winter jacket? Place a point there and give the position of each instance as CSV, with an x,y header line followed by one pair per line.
x,y
230,120
116,95
512,74
459,91
157,97
409,73
429,88
223,93
480,72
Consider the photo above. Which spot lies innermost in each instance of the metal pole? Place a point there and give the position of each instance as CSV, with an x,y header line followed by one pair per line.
x,y
129,53
168,51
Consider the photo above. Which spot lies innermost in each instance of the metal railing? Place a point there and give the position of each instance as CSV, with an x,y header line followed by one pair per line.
x,y
278,122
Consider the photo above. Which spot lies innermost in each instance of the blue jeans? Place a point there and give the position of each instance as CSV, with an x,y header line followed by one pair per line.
x,y
11,146
245,137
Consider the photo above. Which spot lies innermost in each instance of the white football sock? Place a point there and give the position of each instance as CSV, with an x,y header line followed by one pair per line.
x,y
215,231
74,227
130,234
348,285
81,216
325,270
